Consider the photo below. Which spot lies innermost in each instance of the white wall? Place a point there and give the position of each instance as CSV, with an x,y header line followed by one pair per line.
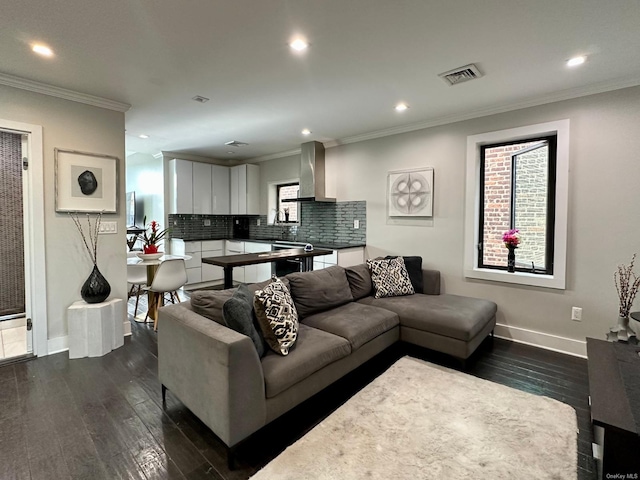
x,y
604,208
145,176
73,126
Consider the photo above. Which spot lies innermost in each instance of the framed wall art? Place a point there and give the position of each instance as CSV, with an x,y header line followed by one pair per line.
x,y
86,182
410,193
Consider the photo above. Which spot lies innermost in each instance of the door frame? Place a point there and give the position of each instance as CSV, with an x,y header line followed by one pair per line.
x,y
34,244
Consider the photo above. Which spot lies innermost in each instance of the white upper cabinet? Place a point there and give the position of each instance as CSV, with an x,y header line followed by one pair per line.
x,y
202,194
180,186
245,190
220,189
198,188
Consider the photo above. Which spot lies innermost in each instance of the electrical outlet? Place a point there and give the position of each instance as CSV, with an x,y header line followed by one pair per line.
x,y
258,222
356,224
576,314
207,222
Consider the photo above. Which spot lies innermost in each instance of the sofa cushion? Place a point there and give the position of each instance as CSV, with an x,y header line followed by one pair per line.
x,y
314,350
414,269
356,322
239,315
390,277
448,315
319,290
277,316
208,303
359,278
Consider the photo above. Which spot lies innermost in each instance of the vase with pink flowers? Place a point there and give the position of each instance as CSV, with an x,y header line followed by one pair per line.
x,y
511,239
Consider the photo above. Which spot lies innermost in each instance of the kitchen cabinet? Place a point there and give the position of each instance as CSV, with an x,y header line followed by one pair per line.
x,y
345,257
212,248
260,272
198,188
180,186
194,264
233,247
245,190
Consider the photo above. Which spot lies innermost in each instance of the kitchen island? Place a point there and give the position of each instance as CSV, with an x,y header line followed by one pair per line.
x,y
228,262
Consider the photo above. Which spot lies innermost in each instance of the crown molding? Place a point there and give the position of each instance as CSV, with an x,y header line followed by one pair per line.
x,y
274,156
50,90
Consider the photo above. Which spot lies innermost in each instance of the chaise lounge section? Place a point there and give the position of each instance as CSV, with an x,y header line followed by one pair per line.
x,y
217,372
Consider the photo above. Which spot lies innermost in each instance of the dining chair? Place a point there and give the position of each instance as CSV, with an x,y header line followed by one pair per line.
x,y
171,275
137,278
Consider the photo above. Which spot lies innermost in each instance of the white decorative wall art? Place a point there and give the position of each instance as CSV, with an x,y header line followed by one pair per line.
x,y
410,193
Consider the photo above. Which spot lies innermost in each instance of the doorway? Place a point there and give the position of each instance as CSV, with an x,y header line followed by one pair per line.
x,y
23,322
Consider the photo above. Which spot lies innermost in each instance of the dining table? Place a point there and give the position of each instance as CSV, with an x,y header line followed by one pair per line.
x,y
152,267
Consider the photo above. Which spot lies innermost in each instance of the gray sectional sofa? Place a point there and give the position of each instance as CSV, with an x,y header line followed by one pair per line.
x,y
217,373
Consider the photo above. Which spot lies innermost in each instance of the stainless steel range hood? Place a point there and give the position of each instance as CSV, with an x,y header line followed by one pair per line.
x,y
312,179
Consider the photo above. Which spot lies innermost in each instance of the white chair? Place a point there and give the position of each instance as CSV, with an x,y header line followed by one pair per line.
x,y
137,278
171,275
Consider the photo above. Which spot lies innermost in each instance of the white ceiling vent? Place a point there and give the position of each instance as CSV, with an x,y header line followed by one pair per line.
x,y
235,143
461,74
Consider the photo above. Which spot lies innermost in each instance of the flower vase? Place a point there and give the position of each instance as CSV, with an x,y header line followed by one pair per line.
x,y
621,332
511,259
96,289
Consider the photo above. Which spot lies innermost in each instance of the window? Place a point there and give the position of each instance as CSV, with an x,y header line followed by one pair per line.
x,y
517,186
287,211
518,178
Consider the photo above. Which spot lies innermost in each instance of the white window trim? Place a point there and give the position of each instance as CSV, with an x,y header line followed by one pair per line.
x,y
473,196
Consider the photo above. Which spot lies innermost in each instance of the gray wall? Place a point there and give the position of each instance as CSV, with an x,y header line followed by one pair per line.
x,y
73,126
604,198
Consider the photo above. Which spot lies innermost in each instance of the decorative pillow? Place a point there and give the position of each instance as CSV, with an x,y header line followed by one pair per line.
x,y
414,269
277,316
238,314
208,303
390,277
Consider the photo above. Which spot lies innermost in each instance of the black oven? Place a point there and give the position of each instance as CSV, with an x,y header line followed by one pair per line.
x,y
289,265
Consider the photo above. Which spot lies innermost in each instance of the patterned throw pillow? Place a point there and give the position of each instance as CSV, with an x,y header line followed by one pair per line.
x,y
390,277
277,316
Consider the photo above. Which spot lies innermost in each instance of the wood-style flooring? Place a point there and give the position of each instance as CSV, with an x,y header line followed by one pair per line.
x,y
102,418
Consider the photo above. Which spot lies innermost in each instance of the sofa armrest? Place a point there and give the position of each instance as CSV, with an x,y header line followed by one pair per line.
x,y
213,370
431,279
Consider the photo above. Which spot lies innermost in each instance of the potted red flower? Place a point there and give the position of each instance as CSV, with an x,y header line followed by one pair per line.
x,y
152,236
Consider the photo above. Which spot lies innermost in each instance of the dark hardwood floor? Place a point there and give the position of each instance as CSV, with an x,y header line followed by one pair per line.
x,y
102,418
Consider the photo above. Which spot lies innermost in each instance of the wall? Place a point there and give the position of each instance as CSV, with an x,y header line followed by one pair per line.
x,y
73,126
145,176
604,198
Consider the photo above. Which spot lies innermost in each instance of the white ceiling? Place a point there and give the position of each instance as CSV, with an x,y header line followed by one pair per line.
x,y
365,56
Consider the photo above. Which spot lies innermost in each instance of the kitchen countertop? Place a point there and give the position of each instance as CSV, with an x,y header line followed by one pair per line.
x,y
330,246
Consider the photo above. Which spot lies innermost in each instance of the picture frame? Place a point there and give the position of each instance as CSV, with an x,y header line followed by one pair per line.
x,y
410,192
86,182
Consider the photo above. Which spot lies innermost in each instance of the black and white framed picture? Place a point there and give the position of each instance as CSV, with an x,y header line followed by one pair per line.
x,y
86,182
410,192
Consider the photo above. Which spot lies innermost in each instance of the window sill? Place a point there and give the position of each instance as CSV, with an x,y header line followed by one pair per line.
x,y
518,278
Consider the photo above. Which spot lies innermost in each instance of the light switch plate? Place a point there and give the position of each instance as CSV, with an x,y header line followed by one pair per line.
x,y
108,227
356,224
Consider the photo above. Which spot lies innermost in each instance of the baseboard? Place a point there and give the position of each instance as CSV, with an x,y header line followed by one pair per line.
x,y
569,346
61,344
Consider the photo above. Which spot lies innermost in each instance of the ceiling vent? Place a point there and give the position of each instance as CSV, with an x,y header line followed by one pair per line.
x,y
200,99
235,143
461,74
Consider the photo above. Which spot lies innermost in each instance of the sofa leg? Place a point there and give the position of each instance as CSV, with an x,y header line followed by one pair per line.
x,y
164,394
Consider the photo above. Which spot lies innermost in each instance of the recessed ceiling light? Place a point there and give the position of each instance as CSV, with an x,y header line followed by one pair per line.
x,y
299,45
306,131
143,135
575,61
401,107
42,50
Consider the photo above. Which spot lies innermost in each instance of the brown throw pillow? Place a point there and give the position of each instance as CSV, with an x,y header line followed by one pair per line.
x,y
277,316
390,277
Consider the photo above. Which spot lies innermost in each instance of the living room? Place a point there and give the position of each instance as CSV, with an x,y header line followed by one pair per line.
x,y
602,198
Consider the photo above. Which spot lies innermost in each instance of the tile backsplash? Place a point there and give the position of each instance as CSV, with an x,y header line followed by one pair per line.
x,y
329,223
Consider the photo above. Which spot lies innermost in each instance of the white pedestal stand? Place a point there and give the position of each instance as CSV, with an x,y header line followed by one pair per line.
x,y
95,328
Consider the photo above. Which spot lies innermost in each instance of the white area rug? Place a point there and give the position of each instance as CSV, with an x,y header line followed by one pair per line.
x,y
421,421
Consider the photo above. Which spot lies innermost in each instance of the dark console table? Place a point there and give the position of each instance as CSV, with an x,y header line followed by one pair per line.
x,y
614,393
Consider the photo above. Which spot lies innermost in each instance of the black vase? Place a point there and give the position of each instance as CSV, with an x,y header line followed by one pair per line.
x,y
511,260
96,289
